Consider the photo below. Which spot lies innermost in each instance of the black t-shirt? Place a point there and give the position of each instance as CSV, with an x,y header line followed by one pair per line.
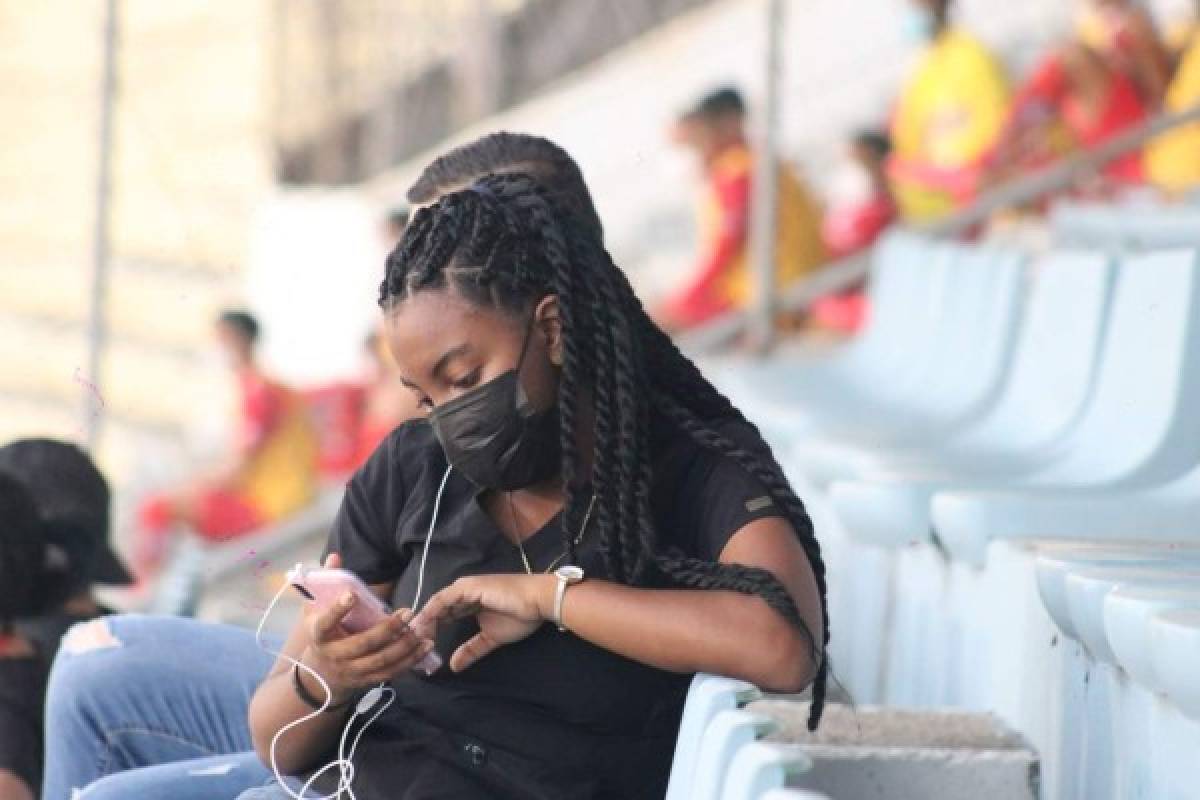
x,y
552,716
22,692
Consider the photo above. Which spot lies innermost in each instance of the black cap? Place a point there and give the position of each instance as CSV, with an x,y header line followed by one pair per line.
x,y
72,498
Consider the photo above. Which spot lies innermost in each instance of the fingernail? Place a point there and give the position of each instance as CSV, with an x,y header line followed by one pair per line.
x,y
406,615
347,600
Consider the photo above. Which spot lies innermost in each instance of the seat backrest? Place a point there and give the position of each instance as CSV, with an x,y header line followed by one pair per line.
x,y
707,696
908,272
1057,348
975,342
1140,425
759,768
1136,227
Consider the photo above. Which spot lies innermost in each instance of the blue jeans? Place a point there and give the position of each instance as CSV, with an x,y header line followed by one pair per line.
x,y
153,708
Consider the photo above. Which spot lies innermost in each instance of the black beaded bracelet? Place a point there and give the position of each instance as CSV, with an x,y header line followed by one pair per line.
x,y
310,701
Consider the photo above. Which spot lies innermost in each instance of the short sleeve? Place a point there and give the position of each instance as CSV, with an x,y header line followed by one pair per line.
x,y
363,532
710,497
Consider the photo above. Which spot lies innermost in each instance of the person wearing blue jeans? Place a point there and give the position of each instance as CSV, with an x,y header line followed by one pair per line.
x,y
153,708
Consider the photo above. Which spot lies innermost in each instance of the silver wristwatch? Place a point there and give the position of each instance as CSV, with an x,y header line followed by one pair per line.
x,y
567,576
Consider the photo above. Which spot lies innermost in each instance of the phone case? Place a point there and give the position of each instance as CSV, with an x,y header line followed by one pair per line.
x,y
324,586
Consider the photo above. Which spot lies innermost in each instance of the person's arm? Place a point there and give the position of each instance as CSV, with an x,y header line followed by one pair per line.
x,y
349,663
1149,57
13,786
723,632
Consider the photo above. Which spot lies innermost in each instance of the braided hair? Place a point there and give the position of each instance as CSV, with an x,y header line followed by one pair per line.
x,y
502,243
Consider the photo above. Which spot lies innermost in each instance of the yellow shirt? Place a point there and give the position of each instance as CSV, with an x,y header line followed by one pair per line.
x,y
281,475
799,246
950,114
1173,159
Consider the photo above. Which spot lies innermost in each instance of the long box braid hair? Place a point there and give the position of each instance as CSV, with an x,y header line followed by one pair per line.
x,y
507,240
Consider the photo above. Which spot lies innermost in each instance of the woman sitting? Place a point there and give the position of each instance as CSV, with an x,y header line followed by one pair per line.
x,y
610,453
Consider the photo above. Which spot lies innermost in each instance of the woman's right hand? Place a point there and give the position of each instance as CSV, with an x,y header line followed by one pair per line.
x,y
352,661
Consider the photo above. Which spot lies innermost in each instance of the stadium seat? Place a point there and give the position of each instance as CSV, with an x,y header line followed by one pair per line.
x,y
1128,610
785,394
1175,650
726,736
761,768
707,696
1137,432
1051,380
967,366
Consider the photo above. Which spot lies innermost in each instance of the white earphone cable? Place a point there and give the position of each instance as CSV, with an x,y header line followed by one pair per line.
x,y
345,761
437,505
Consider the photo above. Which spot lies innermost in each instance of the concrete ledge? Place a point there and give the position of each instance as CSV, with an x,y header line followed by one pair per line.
x,y
899,754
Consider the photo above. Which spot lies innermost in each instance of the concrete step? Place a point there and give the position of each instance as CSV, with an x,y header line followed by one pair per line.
x,y
899,754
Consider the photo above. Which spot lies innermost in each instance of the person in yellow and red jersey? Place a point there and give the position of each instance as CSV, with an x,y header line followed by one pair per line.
x,y
1173,159
948,117
273,471
715,130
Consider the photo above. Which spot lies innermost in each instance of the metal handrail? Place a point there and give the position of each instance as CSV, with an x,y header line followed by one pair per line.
x,y
1019,191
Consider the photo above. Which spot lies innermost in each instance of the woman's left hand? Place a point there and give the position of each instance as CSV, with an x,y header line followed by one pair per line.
x,y
507,608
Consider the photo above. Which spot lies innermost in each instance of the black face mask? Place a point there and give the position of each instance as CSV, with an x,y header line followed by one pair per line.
x,y
494,436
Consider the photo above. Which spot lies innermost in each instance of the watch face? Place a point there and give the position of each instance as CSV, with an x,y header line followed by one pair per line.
x,y
572,574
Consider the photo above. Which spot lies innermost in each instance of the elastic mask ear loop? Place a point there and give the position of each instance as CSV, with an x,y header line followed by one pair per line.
x,y
522,397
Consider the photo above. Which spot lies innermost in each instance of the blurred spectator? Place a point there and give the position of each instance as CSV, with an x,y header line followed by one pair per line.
x,y
387,402
1110,79
271,473
73,500
1122,33
1173,159
53,547
948,117
859,208
1073,100
715,131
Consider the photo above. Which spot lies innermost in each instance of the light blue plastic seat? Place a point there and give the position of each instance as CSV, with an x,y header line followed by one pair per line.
x,y
1050,382
966,369
1133,227
1058,561
1128,610
1138,431
960,368
1088,588
761,768
1175,650
785,394
708,696
726,736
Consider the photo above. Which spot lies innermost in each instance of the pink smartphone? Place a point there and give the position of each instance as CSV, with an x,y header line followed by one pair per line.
x,y
323,586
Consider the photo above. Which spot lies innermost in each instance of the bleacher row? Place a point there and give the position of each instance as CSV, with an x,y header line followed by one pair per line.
x,y
1004,469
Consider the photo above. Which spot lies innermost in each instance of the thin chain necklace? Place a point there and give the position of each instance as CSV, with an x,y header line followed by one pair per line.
x,y
512,512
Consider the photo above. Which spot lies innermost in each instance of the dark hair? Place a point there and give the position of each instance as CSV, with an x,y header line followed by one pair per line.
x,y
722,102
22,553
502,243
241,321
502,152
64,483
877,143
